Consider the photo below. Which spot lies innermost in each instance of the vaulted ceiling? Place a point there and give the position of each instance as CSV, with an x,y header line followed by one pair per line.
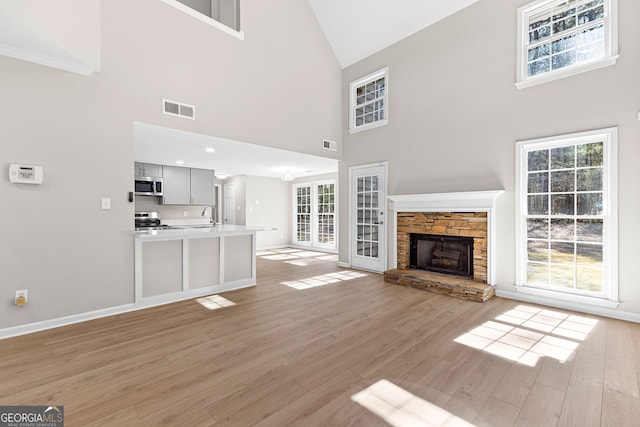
x,y
358,28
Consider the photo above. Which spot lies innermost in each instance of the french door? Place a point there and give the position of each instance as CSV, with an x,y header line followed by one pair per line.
x,y
368,195
315,214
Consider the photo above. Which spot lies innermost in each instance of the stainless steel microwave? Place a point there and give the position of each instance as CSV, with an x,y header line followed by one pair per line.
x,y
148,186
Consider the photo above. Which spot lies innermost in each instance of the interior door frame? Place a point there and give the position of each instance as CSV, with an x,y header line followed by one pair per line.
x,y
384,206
229,187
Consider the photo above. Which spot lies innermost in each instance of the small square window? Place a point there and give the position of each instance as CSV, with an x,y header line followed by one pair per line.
x,y
368,107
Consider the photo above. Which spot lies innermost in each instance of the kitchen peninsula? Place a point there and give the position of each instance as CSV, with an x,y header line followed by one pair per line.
x,y
191,261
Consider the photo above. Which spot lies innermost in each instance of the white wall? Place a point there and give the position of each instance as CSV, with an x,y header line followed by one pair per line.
x,y
281,87
268,203
455,115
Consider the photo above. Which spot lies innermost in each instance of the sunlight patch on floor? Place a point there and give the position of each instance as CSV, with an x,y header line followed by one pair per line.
x,y
279,257
214,302
324,279
310,261
525,334
297,257
401,408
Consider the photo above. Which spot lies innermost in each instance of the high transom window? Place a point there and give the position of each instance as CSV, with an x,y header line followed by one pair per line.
x,y
563,37
566,220
368,101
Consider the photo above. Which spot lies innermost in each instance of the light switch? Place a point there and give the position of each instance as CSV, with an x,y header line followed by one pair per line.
x,y
106,203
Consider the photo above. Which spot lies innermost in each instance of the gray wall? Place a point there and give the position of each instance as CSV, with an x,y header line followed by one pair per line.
x,y
268,203
455,115
281,87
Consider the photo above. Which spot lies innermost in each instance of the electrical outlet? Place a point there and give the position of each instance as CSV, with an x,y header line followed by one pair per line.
x,y
22,297
185,213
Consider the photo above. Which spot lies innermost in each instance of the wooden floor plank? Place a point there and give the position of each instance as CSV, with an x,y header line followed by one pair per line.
x,y
619,410
620,375
288,356
542,408
515,386
496,413
582,405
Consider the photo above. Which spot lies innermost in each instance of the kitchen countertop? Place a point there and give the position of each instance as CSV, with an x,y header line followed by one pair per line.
x,y
186,232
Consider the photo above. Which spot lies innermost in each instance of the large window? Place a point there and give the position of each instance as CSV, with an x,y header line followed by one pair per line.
x,y
315,214
368,106
567,223
557,38
326,213
303,213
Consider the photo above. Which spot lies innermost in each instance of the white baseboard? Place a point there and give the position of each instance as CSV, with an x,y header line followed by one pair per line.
x,y
584,308
344,264
29,328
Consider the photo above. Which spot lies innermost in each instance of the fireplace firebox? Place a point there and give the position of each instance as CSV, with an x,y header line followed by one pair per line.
x,y
442,254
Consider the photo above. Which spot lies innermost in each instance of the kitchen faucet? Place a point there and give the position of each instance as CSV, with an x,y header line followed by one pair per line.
x,y
214,210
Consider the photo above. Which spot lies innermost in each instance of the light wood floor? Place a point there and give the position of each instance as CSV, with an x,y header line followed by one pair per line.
x,y
317,345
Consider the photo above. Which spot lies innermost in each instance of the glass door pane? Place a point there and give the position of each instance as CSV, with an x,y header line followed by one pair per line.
x,y
367,216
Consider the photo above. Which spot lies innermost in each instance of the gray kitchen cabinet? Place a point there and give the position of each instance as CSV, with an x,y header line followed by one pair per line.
x,y
202,187
148,169
177,186
185,186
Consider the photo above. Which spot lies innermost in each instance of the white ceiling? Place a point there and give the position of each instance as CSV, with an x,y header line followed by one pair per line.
x,y
160,145
358,28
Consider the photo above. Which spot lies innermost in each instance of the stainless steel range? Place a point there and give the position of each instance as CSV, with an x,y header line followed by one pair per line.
x,y
145,221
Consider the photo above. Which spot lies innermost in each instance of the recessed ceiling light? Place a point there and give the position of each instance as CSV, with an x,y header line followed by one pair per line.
x,y
179,162
210,150
222,175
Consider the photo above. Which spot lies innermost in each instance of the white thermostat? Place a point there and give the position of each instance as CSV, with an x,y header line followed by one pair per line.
x,y
25,174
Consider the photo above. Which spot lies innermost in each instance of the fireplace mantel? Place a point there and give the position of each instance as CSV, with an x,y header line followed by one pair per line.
x,y
474,201
471,201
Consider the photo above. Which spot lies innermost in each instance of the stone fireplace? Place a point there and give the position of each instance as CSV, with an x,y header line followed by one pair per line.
x,y
444,243
441,253
472,225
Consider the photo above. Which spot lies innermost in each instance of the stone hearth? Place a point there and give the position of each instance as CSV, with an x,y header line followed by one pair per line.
x,y
444,284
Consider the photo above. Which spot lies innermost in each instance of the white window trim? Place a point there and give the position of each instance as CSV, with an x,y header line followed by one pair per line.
x,y
352,100
314,214
611,46
609,297
295,213
204,18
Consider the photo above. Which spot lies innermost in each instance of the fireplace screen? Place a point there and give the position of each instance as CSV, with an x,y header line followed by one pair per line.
x,y
442,254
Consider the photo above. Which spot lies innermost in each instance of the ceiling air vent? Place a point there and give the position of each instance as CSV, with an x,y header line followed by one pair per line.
x,y
177,109
329,145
